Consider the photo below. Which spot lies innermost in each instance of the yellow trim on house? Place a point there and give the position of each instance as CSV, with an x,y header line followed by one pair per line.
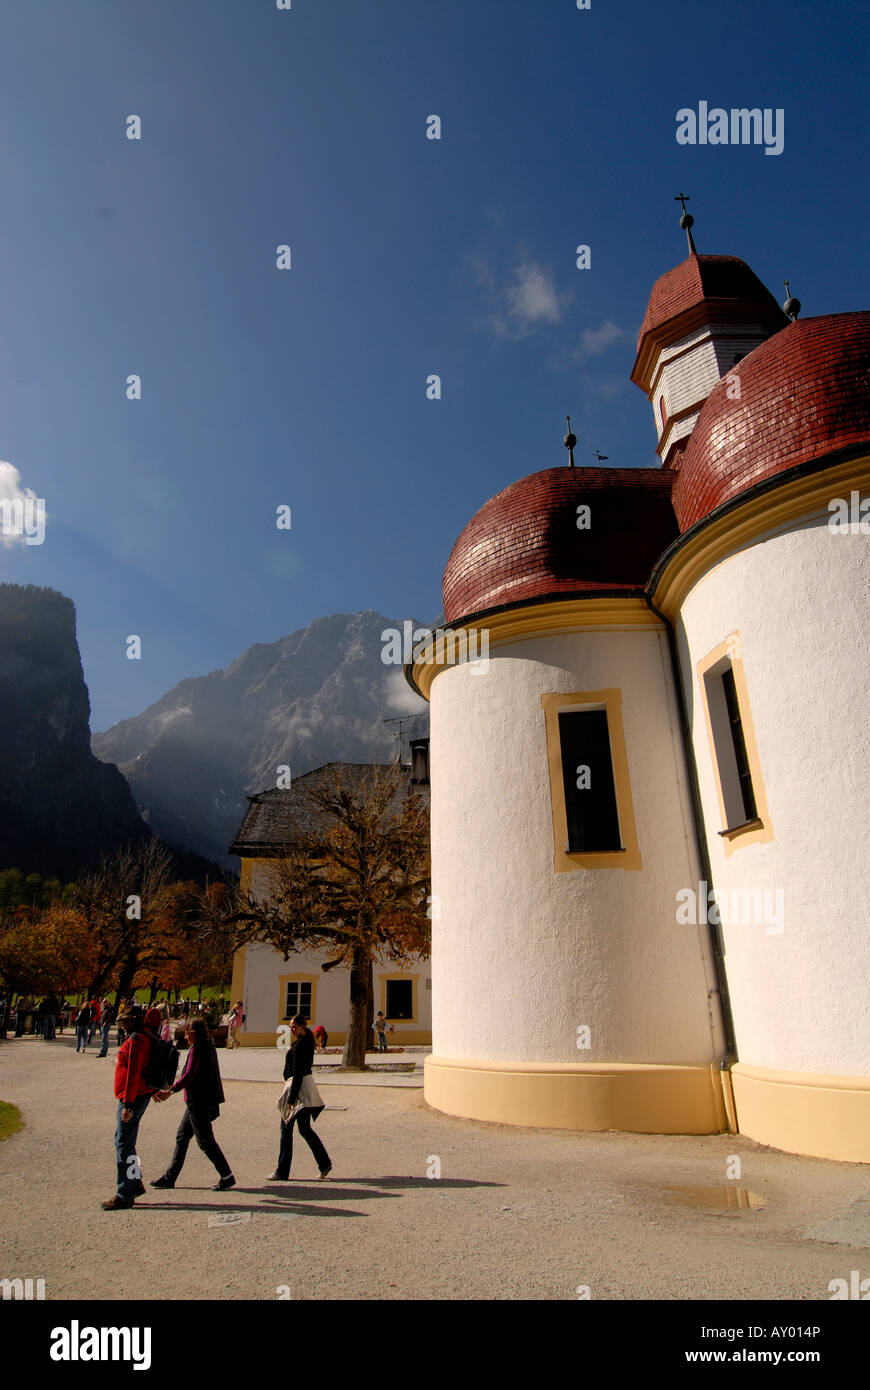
x,y
760,830
801,499
822,1116
237,988
382,1006
642,1098
537,620
629,856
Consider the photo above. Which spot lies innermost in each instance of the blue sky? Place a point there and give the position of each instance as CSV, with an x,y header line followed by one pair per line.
x,y
410,256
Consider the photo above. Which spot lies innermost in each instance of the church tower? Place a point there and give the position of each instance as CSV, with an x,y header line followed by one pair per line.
x,y
702,319
649,803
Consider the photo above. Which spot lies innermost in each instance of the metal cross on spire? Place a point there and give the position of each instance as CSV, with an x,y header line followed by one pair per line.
x,y
569,441
687,221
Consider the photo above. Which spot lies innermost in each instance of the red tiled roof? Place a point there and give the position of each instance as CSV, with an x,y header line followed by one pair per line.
x,y
524,543
804,393
700,279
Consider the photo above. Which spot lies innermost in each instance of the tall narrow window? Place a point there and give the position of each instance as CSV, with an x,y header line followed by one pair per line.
x,y
590,793
745,816
738,743
298,999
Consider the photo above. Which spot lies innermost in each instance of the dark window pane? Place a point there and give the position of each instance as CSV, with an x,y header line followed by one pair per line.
x,y
593,823
746,789
400,999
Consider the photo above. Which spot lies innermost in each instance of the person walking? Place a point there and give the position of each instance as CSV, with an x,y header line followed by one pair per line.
x,y
49,1017
204,1095
380,1027
107,1018
300,1103
132,1093
95,1018
83,1023
237,1018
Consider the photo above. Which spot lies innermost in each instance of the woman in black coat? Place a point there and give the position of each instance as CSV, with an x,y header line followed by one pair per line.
x,y
301,1103
204,1094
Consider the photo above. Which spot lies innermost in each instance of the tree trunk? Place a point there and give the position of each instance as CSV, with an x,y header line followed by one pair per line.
x,y
354,1056
125,981
152,991
370,1011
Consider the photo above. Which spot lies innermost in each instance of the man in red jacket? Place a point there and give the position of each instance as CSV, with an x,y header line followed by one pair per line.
x,y
132,1093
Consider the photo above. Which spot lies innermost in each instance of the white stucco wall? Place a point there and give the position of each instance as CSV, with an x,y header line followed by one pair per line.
x,y
801,604
522,956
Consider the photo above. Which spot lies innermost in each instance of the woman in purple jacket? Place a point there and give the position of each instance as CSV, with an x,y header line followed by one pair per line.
x,y
203,1092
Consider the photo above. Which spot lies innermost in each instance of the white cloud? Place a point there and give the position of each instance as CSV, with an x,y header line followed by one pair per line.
x,y
22,513
595,341
533,298
401,699
161,722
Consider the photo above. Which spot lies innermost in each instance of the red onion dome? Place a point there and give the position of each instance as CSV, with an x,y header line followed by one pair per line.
x,y
525,544
804,394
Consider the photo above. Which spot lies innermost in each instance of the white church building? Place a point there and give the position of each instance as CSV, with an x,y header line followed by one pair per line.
x,y
650,810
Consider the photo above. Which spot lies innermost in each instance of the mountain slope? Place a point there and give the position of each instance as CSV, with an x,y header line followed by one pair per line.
x,y
59,807
320,694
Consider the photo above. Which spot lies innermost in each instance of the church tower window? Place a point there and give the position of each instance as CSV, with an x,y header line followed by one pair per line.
x,y
590,789
736,766
738,743
587,773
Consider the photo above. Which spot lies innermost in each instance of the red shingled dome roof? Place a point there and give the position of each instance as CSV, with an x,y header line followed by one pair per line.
x,y
804,393
699,289
524,544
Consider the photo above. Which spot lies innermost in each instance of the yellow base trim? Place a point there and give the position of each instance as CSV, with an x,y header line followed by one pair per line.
x,y
804,1112
635,1096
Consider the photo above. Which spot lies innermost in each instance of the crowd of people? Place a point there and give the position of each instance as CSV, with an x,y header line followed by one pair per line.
x,y
49,1016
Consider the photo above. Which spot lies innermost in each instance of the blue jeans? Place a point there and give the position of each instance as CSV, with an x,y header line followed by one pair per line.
x,y
105,1048
126,1134
81,1037
48,1026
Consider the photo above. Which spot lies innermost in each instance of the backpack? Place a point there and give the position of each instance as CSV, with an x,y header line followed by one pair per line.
x,y
160,1069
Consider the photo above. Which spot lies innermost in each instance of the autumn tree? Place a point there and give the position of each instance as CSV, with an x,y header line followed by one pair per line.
x,y
49,950
126,902
355,886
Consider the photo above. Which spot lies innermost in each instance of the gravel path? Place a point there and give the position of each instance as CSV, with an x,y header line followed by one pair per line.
x,y
517,1213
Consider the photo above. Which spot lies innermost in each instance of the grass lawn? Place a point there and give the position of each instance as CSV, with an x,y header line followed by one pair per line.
x,y
10,1119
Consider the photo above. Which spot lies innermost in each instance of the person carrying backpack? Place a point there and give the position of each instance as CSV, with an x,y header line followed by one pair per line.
x,y
203,1092
132,1092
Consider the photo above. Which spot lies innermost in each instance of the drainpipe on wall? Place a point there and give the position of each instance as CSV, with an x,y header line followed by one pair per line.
x,y
714,931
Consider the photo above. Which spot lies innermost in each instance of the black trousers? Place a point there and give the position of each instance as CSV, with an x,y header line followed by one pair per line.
x,y
195,1123
285,1157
